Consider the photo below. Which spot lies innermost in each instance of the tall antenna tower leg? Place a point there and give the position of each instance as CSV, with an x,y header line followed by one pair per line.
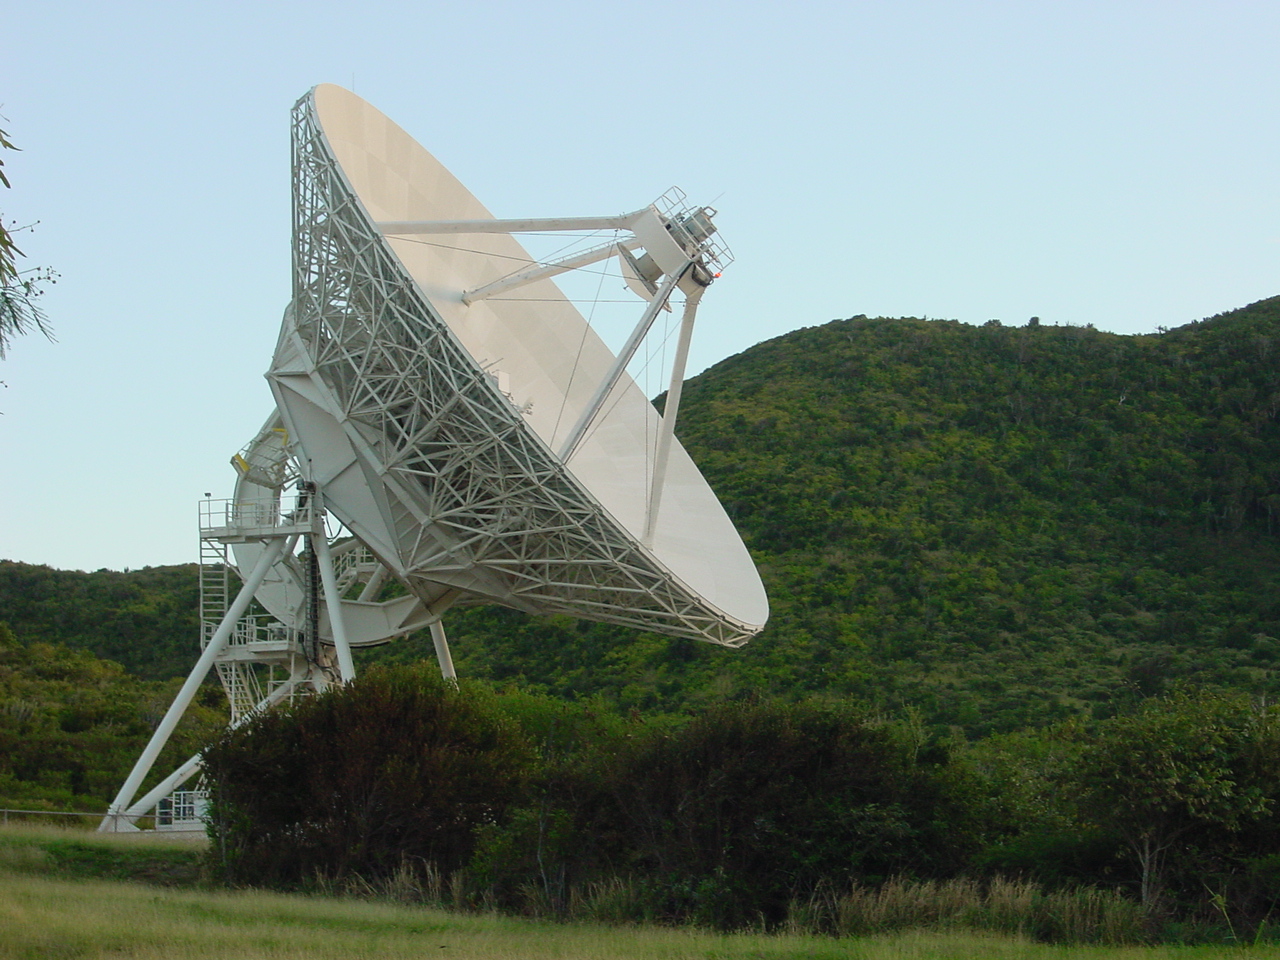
x,y
333,603
193,765
115,813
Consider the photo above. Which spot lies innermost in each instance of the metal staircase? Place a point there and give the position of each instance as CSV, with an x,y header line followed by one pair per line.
x,y
263,653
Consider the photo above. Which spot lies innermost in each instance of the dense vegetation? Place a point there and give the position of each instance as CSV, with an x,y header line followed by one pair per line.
x,y
1026,622
71,725
758,813
145,619
997,526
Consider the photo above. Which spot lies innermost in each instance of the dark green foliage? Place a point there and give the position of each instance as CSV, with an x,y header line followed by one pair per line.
x,y
1174,801
718,820
72,725
1189,782
1001,526
144,619
730,816
397,767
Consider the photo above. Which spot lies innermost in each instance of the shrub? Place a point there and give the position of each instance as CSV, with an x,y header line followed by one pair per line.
x,y
398,767
727,817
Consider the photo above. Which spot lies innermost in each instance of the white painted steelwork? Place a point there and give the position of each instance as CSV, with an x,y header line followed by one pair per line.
x,y
383,376
478,449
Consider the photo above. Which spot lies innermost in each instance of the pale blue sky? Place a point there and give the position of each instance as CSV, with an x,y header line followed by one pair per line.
x,y
1108,163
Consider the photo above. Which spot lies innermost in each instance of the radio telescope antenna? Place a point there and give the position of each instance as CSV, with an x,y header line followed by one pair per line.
x,y
471,447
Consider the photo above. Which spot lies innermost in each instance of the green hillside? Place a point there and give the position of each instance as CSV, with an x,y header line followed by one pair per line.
x,y
145,619
999,526
71,725
996,526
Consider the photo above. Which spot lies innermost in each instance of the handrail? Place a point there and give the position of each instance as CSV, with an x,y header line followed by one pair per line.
x,y
54,813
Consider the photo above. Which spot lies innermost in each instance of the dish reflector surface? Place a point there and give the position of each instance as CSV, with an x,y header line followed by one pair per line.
x,y
431,424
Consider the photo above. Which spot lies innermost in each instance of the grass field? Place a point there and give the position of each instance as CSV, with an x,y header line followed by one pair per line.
x,y
48,911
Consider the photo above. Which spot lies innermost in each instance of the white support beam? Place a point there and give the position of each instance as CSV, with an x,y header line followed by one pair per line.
x,y
217,643
670,411
442,651
193,765
376,579
534,225
541,271
163,789
333,603
620,364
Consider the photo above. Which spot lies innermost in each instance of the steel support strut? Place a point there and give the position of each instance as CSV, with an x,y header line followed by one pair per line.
x,y
670,411
217,643
332,601
193,765
620,364
442,652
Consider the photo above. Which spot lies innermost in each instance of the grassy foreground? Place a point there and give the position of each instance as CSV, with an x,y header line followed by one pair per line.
x,y
46,912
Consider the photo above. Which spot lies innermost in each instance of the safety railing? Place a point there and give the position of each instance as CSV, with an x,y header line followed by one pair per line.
x,y
267,517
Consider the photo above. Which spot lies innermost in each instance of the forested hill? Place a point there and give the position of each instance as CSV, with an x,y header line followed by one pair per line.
x,y
998,526
144,619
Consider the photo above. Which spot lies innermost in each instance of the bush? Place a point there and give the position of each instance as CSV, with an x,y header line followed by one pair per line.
x,y
397,767
753,802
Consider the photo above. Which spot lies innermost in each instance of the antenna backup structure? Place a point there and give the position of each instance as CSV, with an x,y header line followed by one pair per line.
x,y
433,431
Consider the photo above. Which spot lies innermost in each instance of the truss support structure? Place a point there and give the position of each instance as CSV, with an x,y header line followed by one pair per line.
x,y
120,807
125,822
371,382
579,429
625,221
429,462
553,268
442,652
333,604
260,660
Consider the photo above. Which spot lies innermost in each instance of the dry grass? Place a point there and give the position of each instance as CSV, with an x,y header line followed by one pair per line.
x,y
45,915
51,918
1016,908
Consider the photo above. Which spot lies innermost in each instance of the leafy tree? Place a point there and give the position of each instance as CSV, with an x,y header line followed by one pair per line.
x,y
1180,768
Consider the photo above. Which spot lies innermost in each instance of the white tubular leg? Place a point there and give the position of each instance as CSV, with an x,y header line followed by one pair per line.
x,y
620,364
669,413
333,603
217,643
192,766
442,651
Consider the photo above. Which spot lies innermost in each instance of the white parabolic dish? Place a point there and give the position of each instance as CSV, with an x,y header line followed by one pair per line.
x,y
432,426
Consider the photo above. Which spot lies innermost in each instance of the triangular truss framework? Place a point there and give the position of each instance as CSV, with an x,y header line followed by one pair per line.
x,y
474,507
476,500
